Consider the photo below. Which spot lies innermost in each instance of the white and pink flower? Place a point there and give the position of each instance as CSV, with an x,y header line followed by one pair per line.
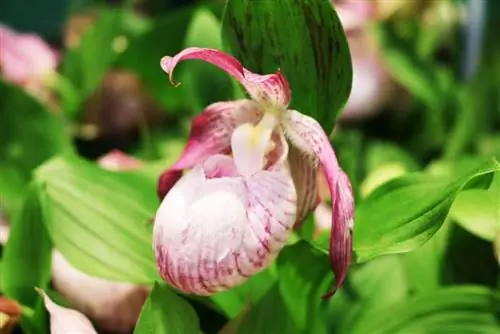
x,y
253,178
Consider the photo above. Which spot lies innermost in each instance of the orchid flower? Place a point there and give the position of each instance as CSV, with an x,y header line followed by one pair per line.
x,y
254,166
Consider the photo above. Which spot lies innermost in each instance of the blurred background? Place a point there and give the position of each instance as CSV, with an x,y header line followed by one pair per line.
x,y
426,91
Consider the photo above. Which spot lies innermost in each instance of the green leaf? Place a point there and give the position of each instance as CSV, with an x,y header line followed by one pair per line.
x,y
466,309
304,38
269,316
166,313
29,135
424,266
205,83
85,65
478,210
404,213
233,301
98,219
27,255
304,276
372,285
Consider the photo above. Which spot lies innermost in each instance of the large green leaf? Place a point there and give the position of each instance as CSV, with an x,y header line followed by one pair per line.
x,y
165,312
29,134
467,309
304,276
27,254
98,219
404,213
304,38
85,65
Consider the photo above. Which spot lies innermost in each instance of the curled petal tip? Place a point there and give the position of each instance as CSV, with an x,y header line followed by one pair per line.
x,y
167,66
269,87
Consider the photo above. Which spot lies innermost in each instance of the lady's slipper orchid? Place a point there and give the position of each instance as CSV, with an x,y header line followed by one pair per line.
x,y
229,217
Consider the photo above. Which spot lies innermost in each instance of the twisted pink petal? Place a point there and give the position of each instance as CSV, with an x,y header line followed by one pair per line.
x,y
307,135
272,88
210,134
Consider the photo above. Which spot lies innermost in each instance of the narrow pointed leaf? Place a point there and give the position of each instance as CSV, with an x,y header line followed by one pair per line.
x,y
406,212
166,312
304,275
20,278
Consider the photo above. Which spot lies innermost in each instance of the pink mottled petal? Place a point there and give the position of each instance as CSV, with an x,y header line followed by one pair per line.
x,y
25,56
64,320
272,88
303,168
211,234
307,135
210,134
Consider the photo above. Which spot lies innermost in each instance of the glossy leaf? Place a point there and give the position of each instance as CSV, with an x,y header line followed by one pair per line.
x,y
166,312
304,276
304,38
404,213
467,309
98,219
28,242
